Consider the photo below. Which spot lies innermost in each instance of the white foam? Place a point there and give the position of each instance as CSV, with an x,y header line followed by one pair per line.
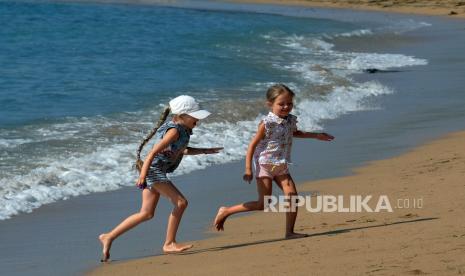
x,y
355,33
360,61
341,101
13,142
405,25
323,56
64,177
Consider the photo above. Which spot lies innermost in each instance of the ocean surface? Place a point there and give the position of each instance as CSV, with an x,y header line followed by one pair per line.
x,y
82,83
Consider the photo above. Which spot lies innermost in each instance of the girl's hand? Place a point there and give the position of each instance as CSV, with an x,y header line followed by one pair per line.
x,y
141,184
324,137
212,150
248,175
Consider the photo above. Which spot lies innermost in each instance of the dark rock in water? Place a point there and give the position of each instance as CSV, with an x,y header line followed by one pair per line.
x,y
374,70
452,13
371,70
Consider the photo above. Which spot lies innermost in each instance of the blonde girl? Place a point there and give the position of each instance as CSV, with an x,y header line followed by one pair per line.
x,y
270,150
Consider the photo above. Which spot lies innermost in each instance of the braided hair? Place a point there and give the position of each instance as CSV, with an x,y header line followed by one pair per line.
x,y
163,116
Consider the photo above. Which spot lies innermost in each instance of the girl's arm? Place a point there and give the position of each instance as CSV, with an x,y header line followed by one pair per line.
x,y
170,136
195,151
248,175
314,135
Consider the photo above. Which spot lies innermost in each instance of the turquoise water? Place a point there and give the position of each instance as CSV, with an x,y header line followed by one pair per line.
x,y
62,60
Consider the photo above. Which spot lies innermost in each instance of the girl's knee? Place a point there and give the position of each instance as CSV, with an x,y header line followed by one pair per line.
x,y
289,188
181,203
146,215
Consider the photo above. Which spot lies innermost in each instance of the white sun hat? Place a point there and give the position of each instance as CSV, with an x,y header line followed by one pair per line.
x,y
187,105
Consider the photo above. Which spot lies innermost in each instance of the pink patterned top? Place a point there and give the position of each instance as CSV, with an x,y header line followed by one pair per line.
x,y
275,147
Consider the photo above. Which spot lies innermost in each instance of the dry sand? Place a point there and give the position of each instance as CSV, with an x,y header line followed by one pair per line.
x,y
455,8
408,241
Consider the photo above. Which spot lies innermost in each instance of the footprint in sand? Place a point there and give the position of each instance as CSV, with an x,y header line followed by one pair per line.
x,y
446,261
376,270
367,220
409,215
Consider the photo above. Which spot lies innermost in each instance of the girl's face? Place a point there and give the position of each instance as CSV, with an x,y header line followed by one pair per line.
x,y
188,121
282,105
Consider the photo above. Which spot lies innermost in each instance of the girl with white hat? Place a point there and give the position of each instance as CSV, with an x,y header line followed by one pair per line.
x,y
163,158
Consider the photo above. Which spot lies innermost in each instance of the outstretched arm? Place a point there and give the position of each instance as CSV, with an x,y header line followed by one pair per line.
x,y
314,135
248,175
195,151
170,136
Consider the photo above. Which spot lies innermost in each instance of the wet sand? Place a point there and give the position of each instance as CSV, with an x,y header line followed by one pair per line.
x,y
425,233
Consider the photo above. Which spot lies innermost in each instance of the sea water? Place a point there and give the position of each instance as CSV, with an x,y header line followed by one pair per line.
x,y
82,84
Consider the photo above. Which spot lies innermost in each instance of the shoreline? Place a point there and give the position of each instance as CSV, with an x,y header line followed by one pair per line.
x,y
408,240
107,217
447,9
453,9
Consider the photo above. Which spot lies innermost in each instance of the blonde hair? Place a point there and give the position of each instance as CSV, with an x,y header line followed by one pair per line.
x,y
163,116
276,90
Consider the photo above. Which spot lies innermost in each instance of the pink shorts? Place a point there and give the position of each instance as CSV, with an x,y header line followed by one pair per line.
x,y
270,170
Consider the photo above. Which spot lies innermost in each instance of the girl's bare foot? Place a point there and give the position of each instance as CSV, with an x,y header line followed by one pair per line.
x,y
175,248
293,235
106,245
220,219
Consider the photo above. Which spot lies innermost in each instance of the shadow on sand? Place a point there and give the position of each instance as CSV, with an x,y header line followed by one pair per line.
x,y
328,233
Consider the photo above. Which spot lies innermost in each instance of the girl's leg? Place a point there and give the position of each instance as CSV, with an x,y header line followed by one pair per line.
x,y
149,202
286,183
180,204
264,187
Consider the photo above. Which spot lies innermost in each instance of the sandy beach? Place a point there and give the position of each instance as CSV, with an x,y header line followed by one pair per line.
x,y
455,8
423,235
424,102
